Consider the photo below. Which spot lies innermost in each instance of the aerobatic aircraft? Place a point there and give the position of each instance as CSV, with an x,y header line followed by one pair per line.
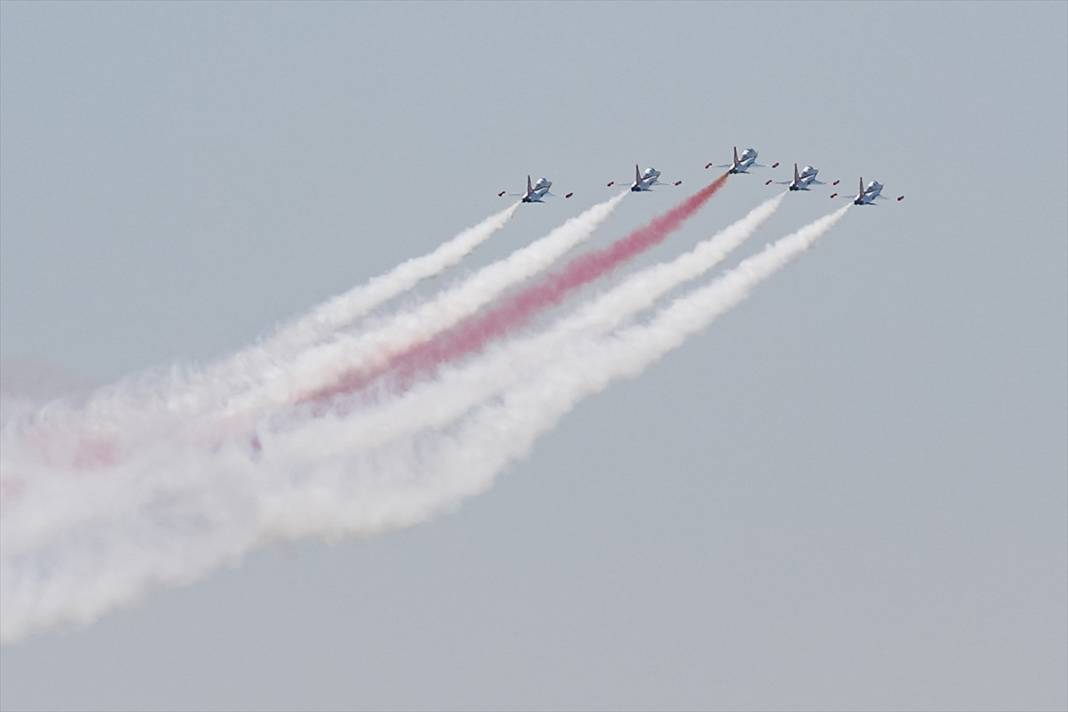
x,y
742,163
802,179
868,195
644,180
536,192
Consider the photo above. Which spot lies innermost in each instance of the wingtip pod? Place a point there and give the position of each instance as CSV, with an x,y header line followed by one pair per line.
x,y
834,195
611,183
708,165
677,183
775,164
568,195
767,182
900,198
836,182
501,194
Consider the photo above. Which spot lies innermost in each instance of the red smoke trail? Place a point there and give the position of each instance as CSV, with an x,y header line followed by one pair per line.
x,y
515,311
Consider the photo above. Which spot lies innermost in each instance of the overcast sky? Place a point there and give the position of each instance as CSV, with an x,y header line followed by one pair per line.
x,y
849,493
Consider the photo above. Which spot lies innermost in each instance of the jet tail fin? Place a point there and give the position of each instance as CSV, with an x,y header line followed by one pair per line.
x,y
735,155
530,188
796,176
637,174
860,186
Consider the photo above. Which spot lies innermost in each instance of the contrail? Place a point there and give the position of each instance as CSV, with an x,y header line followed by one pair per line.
x,y
518,309
212,407
224,400
190,392
79,544
506,431
244,368
394,333
438,402
343,309
464,462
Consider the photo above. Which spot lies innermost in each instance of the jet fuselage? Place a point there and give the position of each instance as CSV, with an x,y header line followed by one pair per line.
x,y
867,196
743,162
648,178
538,191
804,179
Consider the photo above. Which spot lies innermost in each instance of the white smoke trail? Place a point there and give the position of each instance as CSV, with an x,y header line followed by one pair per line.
x,y
438,402
143,407
195,391
369,349
212,405
422,477
344,309
121,466
504,432
83,543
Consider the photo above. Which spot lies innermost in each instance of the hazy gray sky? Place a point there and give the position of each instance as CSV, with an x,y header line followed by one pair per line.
x,y
850,493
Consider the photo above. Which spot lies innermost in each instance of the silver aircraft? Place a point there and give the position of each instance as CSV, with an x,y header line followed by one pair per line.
x,y
868,195
644,180
536,192
742,163
802,179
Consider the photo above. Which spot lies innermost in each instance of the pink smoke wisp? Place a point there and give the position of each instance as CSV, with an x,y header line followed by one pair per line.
x,y
515,311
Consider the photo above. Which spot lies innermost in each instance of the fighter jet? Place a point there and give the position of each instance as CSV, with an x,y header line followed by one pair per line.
x,y
868,196
644,181
742,164
802,180
536,193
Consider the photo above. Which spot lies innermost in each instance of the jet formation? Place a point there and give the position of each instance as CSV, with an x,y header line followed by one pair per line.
x,y
644,181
